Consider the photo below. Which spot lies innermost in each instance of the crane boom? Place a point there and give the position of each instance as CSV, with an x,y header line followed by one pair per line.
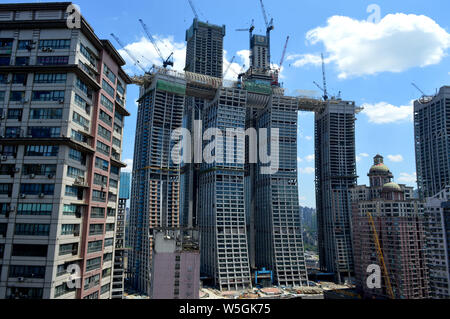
x,y
229,67
423,94
284,52
324,75
193,9
166,62
380,256
264,13
132,57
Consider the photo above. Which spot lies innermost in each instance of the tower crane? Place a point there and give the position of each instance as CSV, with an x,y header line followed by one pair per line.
x,y
193,9
283,55
132,57
166,62
269,28
381,257
229,66
324,76
250,30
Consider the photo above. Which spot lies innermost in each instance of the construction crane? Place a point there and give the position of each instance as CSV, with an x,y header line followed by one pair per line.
x,y
132,57
324,77
425,98
229,66
269,28
423,94
193,9
166,62
381,257
283,55
250,30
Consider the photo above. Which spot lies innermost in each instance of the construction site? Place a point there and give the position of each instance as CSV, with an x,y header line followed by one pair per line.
x,y
259,230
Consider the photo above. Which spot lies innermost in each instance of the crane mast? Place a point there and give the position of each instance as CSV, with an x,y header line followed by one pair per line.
x,y
166,62
380,256
132,57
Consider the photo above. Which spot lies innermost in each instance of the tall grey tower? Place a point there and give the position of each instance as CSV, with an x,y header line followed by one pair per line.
x,y
432,137
335,175
156,178
204,55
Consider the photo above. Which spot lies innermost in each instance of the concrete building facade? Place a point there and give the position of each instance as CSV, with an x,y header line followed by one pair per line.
x,y
62,103
399,227
176,264
156,178
432,140
335,158
437,233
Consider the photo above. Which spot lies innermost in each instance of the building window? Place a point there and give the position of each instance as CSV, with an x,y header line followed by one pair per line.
x,y
20,78
93,264
46,114
98,196
103,132
101,164
42,150
35,209
32,229
37,272
46,96
70,229
98,212
95,246
68,249
44,132
107,103
103,148
17,96
95,229
50,78
52,60
62,290
108,88
22,61
37,189
54,44
21,250
105,289
108,242
109,74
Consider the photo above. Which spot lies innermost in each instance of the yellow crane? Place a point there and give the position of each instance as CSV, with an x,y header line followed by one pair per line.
x,y
380,256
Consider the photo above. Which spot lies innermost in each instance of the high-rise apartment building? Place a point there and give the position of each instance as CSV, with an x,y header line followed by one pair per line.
x,y
335,175
62,107
398,225
437,234
432,140
204,55
156,177
120,247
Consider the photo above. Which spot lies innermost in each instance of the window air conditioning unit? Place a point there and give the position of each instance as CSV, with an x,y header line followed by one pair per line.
x,y
21,279
4,158
61,101
41,195
23,196
32,176
50,176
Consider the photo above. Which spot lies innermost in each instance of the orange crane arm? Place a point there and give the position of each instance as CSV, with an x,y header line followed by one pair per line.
x,y
380,257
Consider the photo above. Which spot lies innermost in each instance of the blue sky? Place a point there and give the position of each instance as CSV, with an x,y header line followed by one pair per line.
x,y
372,65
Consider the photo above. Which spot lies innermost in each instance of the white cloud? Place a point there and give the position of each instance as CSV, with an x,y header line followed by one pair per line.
x,y
408,178
299,160
361,156
395,44
308,138
235,68
307,170
385,113
144,51
310,158
129,168
395,158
